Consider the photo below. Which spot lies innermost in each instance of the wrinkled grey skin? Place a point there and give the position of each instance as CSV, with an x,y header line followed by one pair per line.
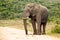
x,y
38,14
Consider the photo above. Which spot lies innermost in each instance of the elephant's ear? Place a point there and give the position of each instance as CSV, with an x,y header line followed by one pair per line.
x,y
25,14
35,11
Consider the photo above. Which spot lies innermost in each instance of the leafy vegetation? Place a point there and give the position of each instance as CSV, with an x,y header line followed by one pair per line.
x,y
12,9
56,29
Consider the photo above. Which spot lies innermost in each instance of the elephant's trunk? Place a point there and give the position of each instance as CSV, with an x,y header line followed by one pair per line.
x,y
25,25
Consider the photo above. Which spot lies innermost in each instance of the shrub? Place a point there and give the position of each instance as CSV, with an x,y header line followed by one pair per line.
x,y
56,29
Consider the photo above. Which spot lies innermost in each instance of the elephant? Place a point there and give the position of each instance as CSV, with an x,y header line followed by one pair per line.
x,y
38,14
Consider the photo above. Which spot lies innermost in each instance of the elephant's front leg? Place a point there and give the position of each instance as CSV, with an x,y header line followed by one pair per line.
x,y
38,19
34,26
38,28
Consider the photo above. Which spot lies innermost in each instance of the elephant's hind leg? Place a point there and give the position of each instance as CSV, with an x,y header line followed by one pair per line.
x,y
44,28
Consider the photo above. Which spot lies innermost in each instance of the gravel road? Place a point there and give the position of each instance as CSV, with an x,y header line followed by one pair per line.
x,y
7,33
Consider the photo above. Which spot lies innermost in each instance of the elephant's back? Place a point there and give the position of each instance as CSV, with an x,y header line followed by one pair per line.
x,y
44,14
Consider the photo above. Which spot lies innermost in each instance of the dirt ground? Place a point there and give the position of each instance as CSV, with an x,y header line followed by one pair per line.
x,y
7,33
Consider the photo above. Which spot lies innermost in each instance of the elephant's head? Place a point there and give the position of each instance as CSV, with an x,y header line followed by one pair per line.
x,y
29,10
